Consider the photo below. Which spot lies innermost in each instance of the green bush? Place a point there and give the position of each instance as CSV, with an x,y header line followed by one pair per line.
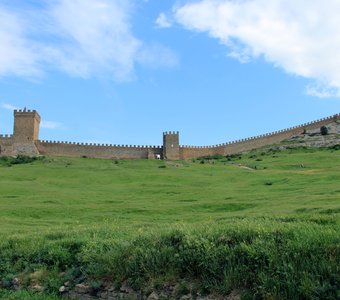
x,y
20,159
335,147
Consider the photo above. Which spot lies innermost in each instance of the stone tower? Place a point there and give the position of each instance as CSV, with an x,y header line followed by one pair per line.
x,y
26,132
171,145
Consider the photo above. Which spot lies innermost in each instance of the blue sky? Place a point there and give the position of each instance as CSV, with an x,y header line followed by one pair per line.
x,y
124,71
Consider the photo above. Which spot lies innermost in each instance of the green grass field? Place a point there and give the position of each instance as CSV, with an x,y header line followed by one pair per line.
x,y
74,217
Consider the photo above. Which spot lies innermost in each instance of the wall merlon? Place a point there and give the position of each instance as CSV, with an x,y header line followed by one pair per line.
x,y
6,136
171,133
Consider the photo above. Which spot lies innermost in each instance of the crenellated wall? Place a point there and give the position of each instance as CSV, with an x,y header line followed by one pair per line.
x,y
238,146
6,145
26,129
56,148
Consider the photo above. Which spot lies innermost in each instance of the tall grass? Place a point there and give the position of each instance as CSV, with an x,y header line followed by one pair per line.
x,y
280,259
265,223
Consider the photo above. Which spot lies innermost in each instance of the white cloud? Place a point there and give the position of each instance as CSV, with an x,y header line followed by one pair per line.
x,y
162,21
95,37
17,56
322,91
83,38
157,56
301,37
8,106
50,125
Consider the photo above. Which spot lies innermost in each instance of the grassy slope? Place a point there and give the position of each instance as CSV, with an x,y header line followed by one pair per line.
x,y
59,210
56,192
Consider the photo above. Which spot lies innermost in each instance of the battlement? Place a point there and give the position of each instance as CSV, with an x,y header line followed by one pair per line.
x,y
97,145
27,112
26,129
170,133
96,150
6,136
304,126
24,111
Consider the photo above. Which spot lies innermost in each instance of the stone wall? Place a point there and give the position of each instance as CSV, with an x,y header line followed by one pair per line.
x,y
54,148
26,129
6,145
243,145
171,145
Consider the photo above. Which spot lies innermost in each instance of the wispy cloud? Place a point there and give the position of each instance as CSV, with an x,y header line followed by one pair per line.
x,y
17,55
163,21
82,38
157,56
50,125
301,37
95,37
322,91
8,106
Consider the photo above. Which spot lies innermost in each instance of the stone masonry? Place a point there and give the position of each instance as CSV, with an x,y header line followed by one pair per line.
x,y
25,141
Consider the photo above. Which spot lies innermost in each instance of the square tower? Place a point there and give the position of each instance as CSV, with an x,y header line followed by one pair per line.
x,y
26,126
171,145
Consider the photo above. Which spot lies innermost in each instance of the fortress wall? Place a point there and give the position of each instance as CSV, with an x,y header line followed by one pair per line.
x,y
277,136
54,148
238,146
25,141
6,145
187,152
263,140
155,150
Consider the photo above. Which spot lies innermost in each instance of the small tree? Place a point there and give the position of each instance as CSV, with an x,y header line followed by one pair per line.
x,y
324,130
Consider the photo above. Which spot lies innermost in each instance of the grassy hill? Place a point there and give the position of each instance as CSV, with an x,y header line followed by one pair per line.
x,y
265,223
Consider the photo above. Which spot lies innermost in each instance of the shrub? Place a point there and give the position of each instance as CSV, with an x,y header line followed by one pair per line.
x,y
335,147
20,159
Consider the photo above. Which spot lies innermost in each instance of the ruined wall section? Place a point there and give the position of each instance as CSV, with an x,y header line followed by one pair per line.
x,y
106,151
6,145
243,145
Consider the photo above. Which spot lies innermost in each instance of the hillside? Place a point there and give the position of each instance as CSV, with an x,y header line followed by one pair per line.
x,y
263,223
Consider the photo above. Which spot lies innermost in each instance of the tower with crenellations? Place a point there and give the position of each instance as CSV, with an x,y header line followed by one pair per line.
x,y
171,145
26,132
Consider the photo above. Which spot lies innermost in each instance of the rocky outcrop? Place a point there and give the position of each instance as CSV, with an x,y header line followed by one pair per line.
x,y
83,291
